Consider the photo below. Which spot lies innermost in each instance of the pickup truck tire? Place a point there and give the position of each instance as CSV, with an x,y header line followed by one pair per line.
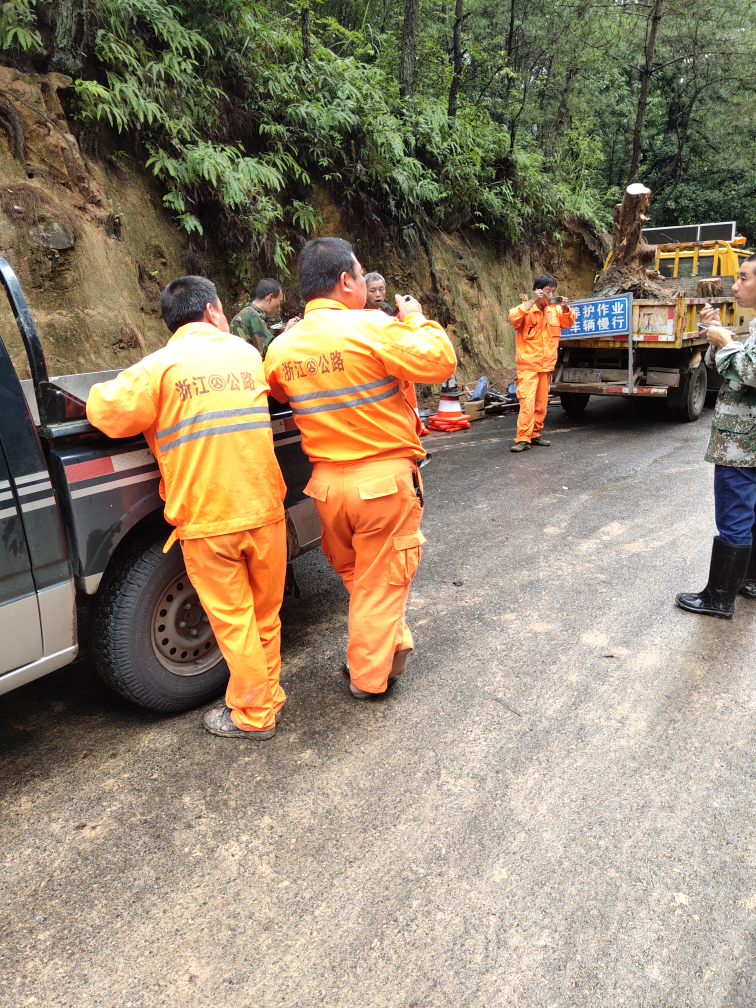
x,y
574,402
694,396
140,624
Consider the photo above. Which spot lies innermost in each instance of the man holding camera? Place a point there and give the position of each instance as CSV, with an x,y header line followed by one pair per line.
x,y
732,449
537,324
345,372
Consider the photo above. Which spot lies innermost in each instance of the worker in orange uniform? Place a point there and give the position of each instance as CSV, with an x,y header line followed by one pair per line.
x,y
344,371
537,324
202,404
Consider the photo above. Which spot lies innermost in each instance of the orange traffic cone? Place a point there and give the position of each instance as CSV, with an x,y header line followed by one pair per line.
x,y
450,416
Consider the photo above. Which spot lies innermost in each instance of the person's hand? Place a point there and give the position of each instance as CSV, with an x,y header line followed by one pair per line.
x,y
540,298
292,322
564,303
718,336
710,316
407,305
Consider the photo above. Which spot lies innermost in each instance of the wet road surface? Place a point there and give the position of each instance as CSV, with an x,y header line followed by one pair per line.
x,y
554,808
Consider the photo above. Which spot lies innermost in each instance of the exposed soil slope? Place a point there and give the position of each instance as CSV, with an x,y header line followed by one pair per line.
x,y
89,241
92,247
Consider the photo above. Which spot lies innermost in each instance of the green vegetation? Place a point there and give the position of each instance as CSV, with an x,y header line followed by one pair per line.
x,y
516,119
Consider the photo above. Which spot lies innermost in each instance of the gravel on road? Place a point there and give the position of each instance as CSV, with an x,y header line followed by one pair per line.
x,y
554,808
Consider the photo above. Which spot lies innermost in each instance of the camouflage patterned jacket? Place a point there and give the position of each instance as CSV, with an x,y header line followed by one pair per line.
x,y
250,324
733,432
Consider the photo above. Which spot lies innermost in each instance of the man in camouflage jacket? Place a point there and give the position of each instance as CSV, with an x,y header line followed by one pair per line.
x,y
732,449
251,323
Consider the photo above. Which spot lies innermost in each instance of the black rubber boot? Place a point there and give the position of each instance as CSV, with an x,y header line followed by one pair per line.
x,y
748,588
726,569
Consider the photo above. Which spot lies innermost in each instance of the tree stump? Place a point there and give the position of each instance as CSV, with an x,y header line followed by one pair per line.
x,y
709,288
627,272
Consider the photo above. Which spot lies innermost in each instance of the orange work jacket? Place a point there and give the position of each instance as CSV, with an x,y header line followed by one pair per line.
x,y
344,373
202,404
537,335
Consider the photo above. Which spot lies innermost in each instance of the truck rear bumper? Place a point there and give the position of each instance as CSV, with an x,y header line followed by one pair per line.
x,y
608,388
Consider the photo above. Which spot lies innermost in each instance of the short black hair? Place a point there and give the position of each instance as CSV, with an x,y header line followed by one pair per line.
x,y
544,280
265,287
749,258
321,263
184,299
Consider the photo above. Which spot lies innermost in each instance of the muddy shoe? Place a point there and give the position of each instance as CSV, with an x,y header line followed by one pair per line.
x,y
218,722
540,442
358,693
748,588
519,446
363,694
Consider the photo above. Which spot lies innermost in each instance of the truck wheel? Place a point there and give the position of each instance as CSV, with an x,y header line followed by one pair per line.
x,y
694,397
574,402
150,638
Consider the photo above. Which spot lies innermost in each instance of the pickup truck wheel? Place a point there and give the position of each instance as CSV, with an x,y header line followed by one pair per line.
x,y
150,638
695,395
574,402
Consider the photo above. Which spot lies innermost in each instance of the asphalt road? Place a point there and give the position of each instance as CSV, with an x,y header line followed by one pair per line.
x,y
554,808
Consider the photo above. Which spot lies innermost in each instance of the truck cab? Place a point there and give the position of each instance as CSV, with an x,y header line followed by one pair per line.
x,y
82,532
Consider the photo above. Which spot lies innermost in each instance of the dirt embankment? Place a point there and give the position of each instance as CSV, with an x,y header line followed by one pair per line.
x,y
475,286
89,241
92,247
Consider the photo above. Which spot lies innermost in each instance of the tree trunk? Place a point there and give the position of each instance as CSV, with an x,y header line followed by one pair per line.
x,y
459,16
627,272
409,48
306,41
510,48
67,55
511,32
645,85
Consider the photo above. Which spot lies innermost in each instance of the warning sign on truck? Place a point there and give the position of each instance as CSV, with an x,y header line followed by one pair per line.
x,y
601,317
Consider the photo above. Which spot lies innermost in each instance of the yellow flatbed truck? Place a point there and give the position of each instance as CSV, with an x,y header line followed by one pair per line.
x,y
664,358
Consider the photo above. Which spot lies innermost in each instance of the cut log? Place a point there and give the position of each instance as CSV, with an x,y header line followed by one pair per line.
x,y
710,288
627,272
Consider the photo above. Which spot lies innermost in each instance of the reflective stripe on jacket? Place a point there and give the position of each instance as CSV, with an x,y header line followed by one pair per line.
x,y
345,372
202,404
537,335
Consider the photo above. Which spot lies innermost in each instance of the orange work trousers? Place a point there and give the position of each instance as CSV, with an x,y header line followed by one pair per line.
x,y
240,578
533,393
371,537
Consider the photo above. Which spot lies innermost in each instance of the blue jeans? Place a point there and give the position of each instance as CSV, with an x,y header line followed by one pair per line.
x,y
735,503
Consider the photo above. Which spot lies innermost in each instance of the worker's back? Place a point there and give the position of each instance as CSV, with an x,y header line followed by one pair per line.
x,y
202,404
344,373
